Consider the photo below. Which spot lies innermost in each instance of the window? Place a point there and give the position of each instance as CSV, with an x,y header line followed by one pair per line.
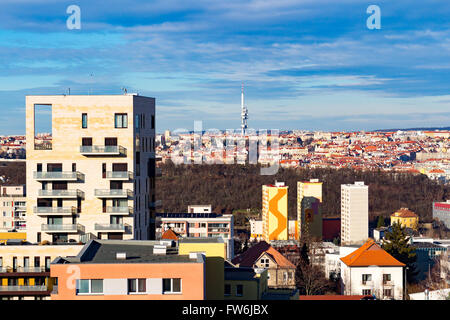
x,y
26,262
74,167
367,292
265,262
386,278
239,290
47,263
86,141
172,285
366,277
1,262
137,286
37,261
388,292
227,289
120,120
84,120
153,122
89,286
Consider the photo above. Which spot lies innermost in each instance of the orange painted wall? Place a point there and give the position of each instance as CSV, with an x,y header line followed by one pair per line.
x,y
192,275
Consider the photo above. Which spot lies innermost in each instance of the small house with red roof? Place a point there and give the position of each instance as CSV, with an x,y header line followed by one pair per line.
x,y
370,270
281,272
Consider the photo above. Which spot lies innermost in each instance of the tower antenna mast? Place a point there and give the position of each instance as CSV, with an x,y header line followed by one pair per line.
x,y
244,113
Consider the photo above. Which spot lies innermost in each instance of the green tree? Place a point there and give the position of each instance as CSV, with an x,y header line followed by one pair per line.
x,y
380,222
396,243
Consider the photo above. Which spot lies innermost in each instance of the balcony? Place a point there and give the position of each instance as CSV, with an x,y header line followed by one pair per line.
x,y
387,283
103,151
110,227
113,193
59,211
68,194
119,175
62,228
120,210
367,283
58,176
21,289
21,208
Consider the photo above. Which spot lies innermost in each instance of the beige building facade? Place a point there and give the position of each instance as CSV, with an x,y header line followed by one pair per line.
x,y
94,177
354,213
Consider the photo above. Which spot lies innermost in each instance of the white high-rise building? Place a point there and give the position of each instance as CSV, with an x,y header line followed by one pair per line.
x,y
354,213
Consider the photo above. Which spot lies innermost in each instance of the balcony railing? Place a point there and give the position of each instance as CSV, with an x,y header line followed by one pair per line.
x,y
62,227
113,193
367,282
110,227
23,288
123,210
122,175
61,175
21,208
31,269
60,193
103,150
44,211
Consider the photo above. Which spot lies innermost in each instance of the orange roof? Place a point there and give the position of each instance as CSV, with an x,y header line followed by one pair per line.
x,y
371,254
252,254
169,234
404,213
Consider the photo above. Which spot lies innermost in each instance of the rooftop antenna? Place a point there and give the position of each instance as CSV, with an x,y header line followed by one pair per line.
x,y
124,90
244,113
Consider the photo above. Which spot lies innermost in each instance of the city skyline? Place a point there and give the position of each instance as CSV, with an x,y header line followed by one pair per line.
x,y
310,65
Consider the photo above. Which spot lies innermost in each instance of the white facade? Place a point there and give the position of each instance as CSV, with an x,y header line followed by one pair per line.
x,y
354,213
369,281
13,208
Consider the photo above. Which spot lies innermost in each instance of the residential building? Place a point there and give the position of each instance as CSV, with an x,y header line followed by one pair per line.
x,y
198,225
99,183
370,270
244,283
25,269
275,211
309,212
281,272
441,211
442,294
13,208
354,213
12,237
406,218
199,209
428,253
129,270
215,251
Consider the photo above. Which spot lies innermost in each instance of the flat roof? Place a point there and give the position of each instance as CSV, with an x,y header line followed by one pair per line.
x,y
201,240
104,252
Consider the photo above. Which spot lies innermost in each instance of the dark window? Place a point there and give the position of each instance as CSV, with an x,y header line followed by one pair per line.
x,y
39,167
153,122
37,261
74,167
38,237
104,170
110,141
120,167
86,141
239,290
227,289
54,167
84,120
120,120
47,263
59,185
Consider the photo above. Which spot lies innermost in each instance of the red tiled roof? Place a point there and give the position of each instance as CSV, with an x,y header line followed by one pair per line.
x,y
371,254
169,234
404,213
249,257
333,297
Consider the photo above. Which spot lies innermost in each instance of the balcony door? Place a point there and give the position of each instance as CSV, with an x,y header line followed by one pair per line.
x,y
119,203
110,141
116,185
86,142
54,167
55,220
120,167
116,220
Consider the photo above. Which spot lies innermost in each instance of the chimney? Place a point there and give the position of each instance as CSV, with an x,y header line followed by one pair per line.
x,y
121,256
159,249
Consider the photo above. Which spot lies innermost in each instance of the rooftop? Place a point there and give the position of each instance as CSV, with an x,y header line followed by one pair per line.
x,y
371,254
105,251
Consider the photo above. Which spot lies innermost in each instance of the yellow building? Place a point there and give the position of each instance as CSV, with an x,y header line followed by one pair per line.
x,y
215,252
275,211
406,218
25,269
309,215
18,236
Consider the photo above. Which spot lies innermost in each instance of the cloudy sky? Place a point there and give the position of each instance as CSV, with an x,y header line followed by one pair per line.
x,y
306,64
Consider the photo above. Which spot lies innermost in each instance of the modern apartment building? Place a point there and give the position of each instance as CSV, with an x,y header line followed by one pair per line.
x,y
441,211
129,270
275,211
309,211
198,225
94,177
25,269
354,213
13,208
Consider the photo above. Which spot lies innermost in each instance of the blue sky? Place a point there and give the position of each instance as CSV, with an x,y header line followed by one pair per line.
x,y
310,64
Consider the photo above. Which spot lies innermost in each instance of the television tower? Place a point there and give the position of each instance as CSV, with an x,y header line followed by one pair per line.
x,y
244,113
